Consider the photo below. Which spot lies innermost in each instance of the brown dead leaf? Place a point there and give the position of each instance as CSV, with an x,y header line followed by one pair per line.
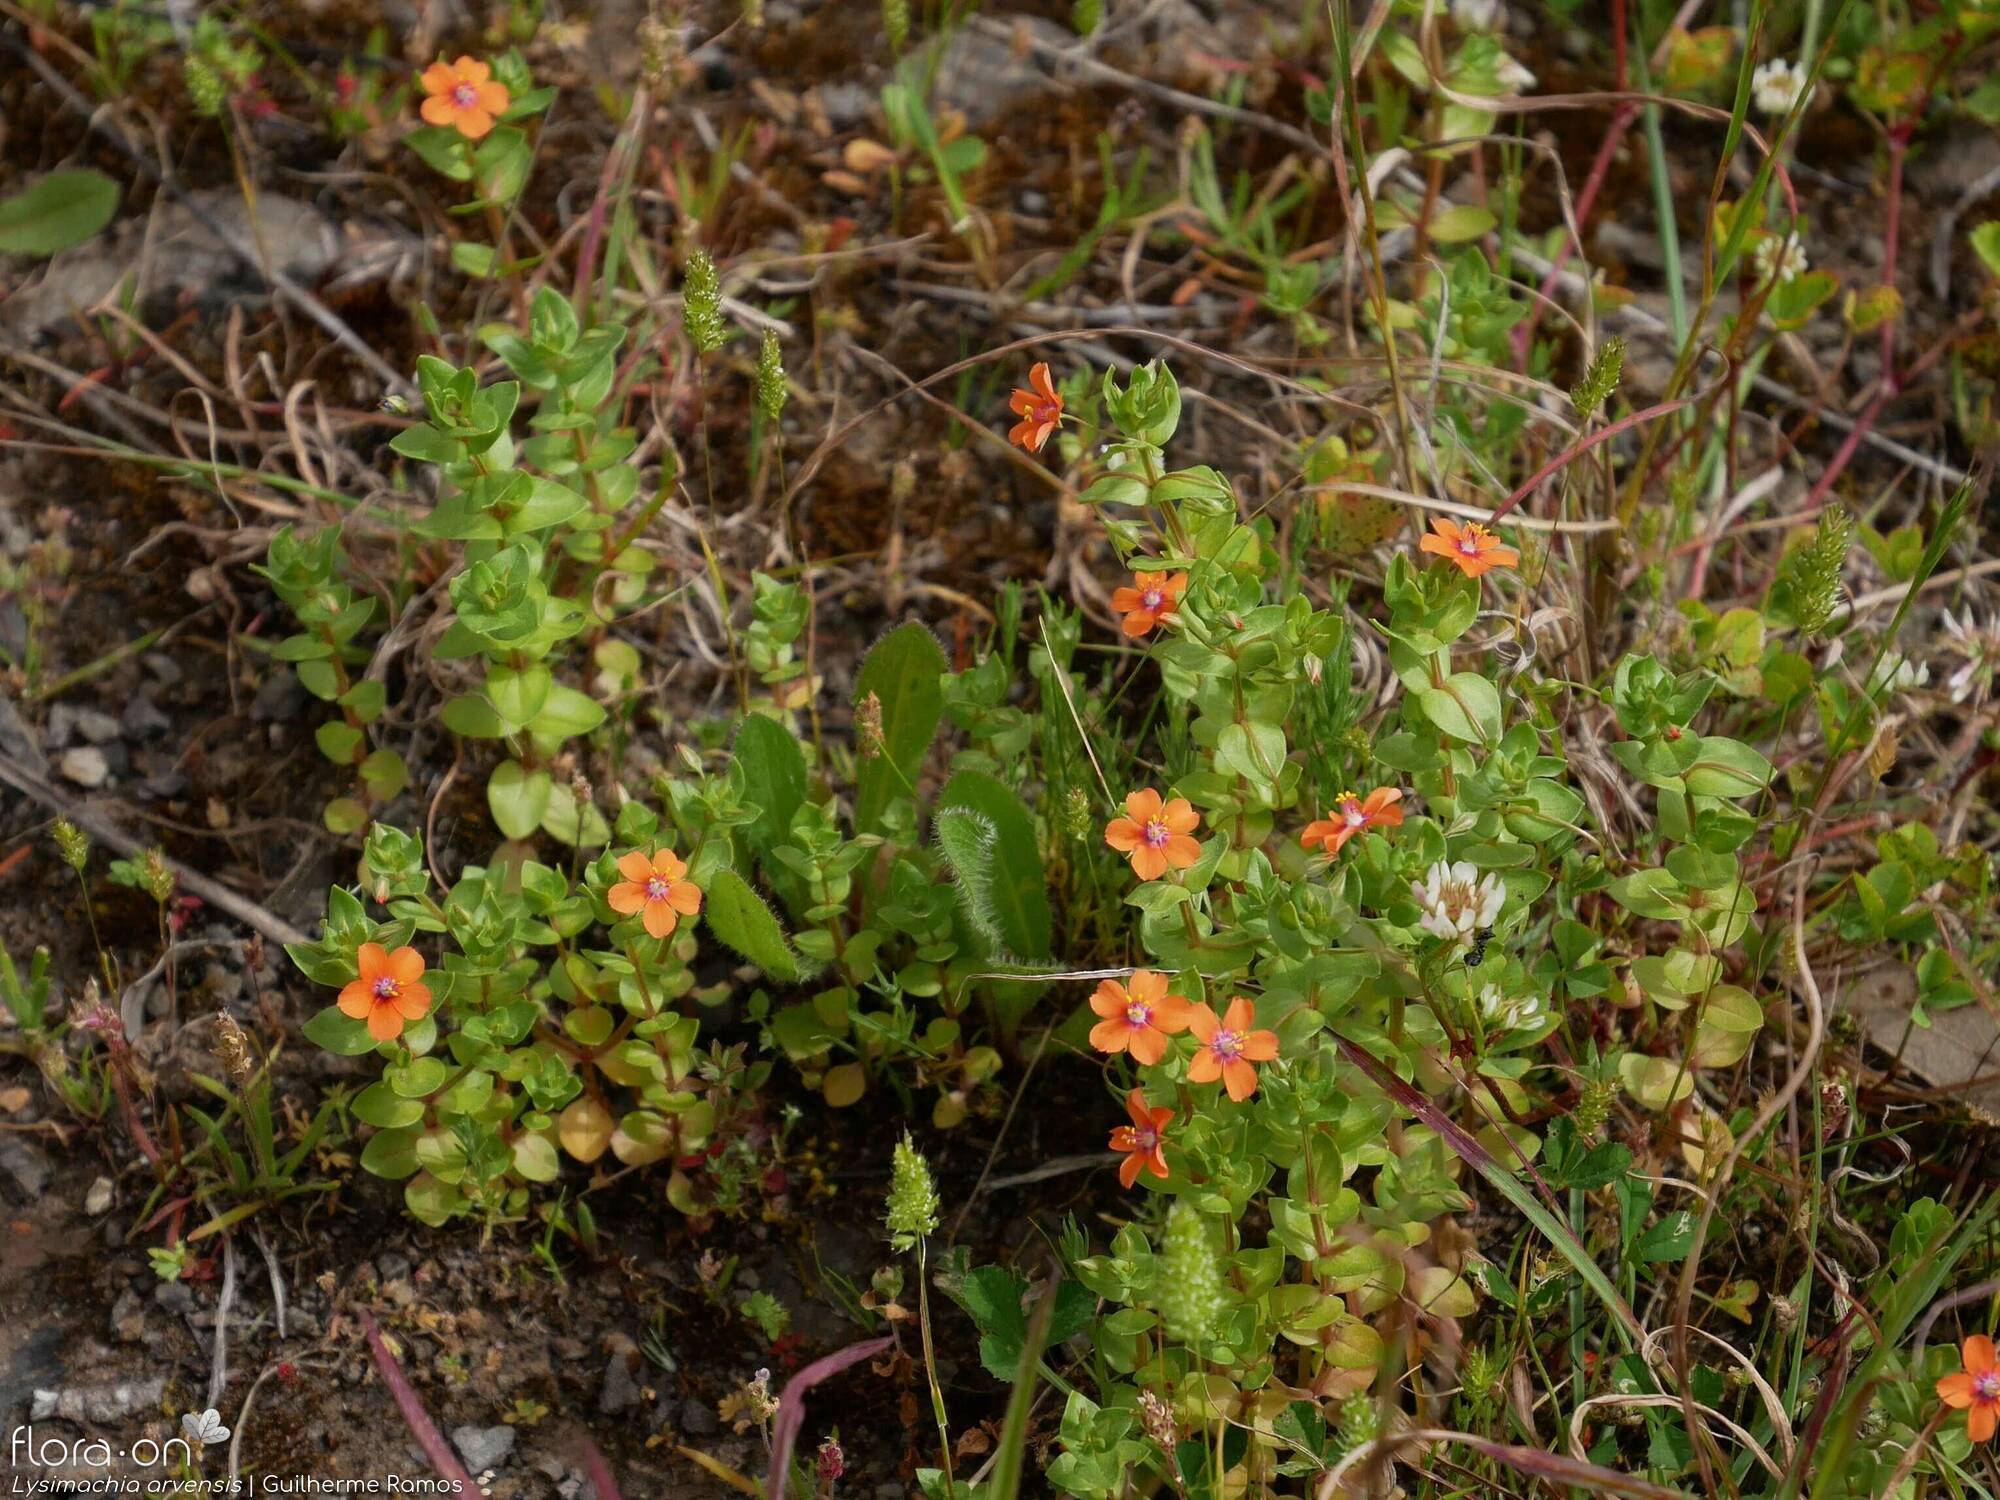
x,y
780,102
14,1100
867,157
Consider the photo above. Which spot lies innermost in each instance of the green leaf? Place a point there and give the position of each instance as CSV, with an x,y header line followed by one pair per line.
x,y
431,1200
339,1033
567,713
473,719
737,915
473,259
1461,222
1986,238
60,210
391,1154
548,504
442,149
518,797
384,774
903,673
518,694
1669,1239
1466,708
380,1105
425,444
344,815
774,779
1015,885
1727,768
535,1159
338,741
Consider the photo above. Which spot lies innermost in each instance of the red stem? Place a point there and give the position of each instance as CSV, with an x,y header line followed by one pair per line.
x,y
411,1405
1577,450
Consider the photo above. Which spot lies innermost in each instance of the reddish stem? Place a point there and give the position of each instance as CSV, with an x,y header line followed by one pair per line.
x,y
1899,145
411,1405
1577,450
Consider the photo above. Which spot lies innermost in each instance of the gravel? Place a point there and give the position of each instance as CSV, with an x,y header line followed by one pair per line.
x,y
483,1448
99,1403
86,765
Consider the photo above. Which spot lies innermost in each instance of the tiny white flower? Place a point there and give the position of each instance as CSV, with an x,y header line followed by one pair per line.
x,y
1512,77
1475,15
1457,900
1979,645
1502,1012
1776,86
1896,673
1780,258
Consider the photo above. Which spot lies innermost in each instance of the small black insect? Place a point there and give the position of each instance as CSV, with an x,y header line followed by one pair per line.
x,y
1478,954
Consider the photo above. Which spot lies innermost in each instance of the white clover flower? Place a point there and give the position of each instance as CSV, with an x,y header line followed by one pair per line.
x,y
1979,644
1896,673
1780,258
1776,85
1512,77
1502,1012
1457,900
1475,15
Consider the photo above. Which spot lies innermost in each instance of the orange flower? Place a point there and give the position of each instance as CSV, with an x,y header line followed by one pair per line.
x,y
1470,548
1977,1387
1040,410
1143,1141
1353,813
658,887
389,994
464,96
1229,1047
1152,597
1155,836
1138,1017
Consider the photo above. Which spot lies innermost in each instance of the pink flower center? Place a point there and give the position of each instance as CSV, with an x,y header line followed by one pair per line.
x,y
464,95
657,887
387,988
1986,1386
1354,813
1468,543
1138,1013
1156,833
1145,1138
1227,1046
1152,599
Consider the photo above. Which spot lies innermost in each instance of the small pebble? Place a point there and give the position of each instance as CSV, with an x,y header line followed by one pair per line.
x,y
144,719
484,1449
97,726
86,766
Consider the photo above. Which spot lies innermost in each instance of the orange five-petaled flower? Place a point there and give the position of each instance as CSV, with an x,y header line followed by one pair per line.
x,y
1138,1017
1152,597
1229,1047
1470,548
1143,1141
390,992
463,96
1155,835
1976,1387
1352,814
658,888
1040,410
